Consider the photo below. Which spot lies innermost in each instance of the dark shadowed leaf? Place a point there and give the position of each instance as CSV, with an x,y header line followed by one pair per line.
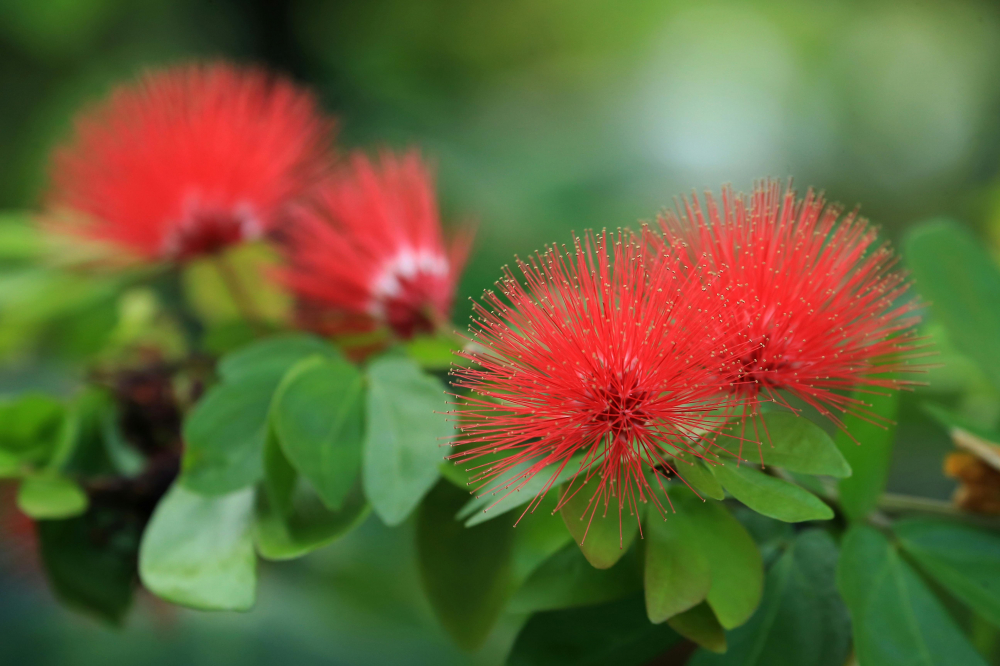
x,y
801,621
896,619
407,429
604,533
770,496
963,559
90,562
869,456
467,572
567,580
735,562
615,633
198,551
318,418
677,575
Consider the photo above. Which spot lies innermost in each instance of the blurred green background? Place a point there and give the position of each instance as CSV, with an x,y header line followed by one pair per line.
x,y
543,116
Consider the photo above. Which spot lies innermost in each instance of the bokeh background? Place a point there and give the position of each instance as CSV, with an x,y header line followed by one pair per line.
x,y
543,117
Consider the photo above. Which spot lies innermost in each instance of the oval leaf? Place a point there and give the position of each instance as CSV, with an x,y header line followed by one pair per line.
x,y
272,357
896,619
771,497
509,491
797,444
733,558
406,428
197,551
318,419
700,625
603,533
51,497
224,436
677,575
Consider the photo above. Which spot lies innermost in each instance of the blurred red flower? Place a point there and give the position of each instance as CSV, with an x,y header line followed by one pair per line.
x,y
595,359
820,305
371,250
190,160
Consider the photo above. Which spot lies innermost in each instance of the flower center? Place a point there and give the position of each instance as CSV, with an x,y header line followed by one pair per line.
x,y
619,408
208,231
409,292
758,368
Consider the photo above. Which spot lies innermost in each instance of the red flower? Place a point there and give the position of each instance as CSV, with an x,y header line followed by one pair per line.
x,y
190,160
820,304
372,251
596,361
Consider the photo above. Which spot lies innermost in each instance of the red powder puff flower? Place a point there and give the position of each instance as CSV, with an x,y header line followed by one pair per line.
x,y
818,302
597,362
190,160
371,251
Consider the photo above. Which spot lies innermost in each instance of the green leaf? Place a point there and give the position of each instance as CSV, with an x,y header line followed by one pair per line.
x,y
802,620
272,357
797,444
869,457
51,497
735,562
90,561
498,496
539,535
30,426
772,497
567,580
964,560
318,419
896,619
700,625
433,353
224,436
677,576
699,477
197,551
616,633
290,517
407,426
954,423
956,275
603,533
466,572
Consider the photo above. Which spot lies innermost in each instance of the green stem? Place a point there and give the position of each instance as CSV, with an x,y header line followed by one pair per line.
x,y
241,298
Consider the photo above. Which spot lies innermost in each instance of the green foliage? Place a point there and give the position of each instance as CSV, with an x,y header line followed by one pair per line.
x,y
960,280
796,444
90,562
603,531
770,496
868,449
198,551
568,580
291,519
225,433
508,491
700,625
30,428
733,558
964,560
614,633
405,430
318,420
694,473
47,497
801,621
896,619
677,573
